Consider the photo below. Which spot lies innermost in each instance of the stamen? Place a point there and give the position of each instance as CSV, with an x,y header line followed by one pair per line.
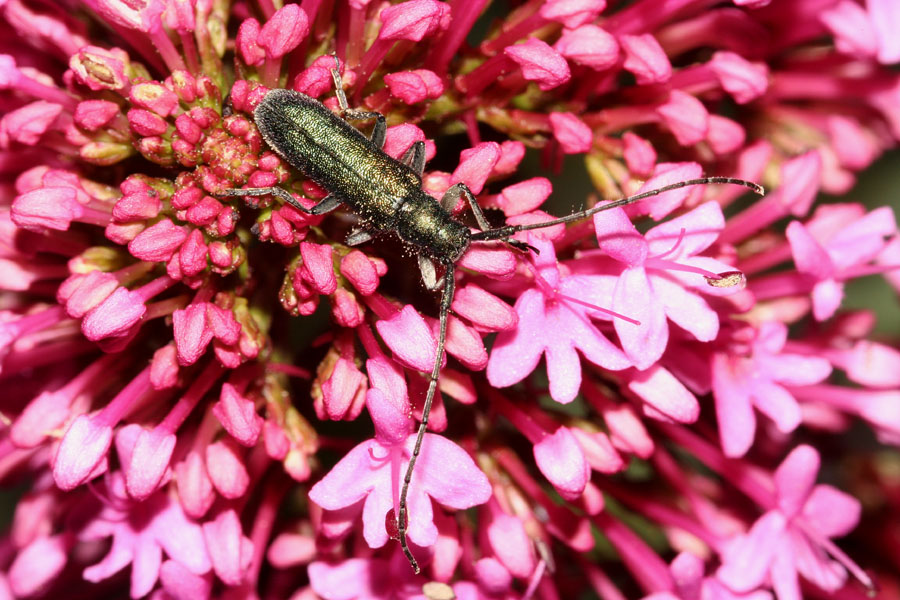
x,y
673,248
836,553
549,290
607,311
655,262
378,459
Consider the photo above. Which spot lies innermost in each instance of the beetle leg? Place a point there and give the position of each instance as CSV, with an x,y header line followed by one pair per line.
x,y
414,157
347,113
380,130
402,520
326,204
451,197
360,236
429,274
461,189
339,84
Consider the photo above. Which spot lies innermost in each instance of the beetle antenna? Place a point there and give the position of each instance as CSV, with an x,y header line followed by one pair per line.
x,y
402,520
500,233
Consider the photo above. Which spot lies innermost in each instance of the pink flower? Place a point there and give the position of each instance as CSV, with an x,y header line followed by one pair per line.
x,y
757,379
590,46
690,583
476,165
368,478
573,135
37,565
645,58
284,31
366,578
572,13
141,534
686,117
660,277
840,252
793,538
539,63
26,125
561,460
413,20
221,346
742,79
414,86
561,303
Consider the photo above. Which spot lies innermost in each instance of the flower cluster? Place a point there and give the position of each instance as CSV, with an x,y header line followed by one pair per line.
x,y
191,380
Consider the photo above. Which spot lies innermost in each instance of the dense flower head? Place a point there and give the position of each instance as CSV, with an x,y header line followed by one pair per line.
x,y
213,394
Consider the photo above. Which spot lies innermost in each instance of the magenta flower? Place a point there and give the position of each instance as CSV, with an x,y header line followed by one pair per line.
x,y
661,278
141,534
561,303
756,378
369,477
793,538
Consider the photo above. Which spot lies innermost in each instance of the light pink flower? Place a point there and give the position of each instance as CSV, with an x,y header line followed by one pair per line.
x,y
660,278
369,477
141,534
561,303
757,379
830,252
792,539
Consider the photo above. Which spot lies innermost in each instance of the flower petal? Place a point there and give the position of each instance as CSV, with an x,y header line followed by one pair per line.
x,y
643,343
811,561
353,578
560,458
448,474
693,232
734,412
832,512
378,504
794,369
795,477
511,544
827,296
410,338
516,352
809,256
778,404
747,559
665,394
350,480
563,364
784,575
686,309
618,238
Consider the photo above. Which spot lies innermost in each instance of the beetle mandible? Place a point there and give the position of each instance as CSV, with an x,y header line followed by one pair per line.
x,y
387,195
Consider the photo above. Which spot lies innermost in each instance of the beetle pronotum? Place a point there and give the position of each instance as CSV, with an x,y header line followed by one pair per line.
x,y
387,195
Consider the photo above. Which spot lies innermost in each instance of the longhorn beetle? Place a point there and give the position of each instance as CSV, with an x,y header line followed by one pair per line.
x,y
388,197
